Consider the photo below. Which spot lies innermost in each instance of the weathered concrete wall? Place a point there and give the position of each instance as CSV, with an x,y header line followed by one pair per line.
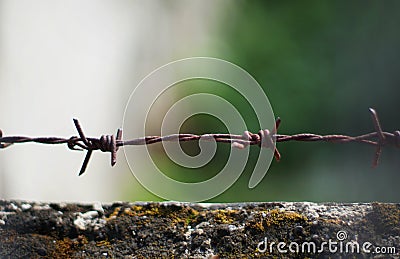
x,y
149,230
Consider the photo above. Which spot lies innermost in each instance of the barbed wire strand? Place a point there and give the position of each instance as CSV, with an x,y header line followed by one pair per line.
x,y
264,138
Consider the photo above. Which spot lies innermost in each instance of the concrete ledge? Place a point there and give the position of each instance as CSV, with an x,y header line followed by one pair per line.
x,y
164,230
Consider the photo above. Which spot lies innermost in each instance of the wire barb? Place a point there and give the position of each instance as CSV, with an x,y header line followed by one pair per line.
x,y
106,143
381,137
264,138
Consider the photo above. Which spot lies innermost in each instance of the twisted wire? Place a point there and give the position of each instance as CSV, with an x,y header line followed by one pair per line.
x,y
264,138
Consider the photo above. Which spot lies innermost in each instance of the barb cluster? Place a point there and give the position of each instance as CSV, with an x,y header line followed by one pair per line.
x,y
264,138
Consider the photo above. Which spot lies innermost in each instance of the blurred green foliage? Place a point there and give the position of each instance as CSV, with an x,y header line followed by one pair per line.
x,y
322,65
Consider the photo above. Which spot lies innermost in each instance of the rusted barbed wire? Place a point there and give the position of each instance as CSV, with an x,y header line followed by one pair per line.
x,y
264,138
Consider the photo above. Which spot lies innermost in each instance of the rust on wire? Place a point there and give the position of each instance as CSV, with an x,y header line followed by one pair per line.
x,y
264,138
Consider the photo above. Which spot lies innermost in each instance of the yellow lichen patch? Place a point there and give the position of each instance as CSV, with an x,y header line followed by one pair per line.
x,y
185,215
333,221
191,216
277,217
140,211
103,243
64,248
224,216
258,225
137,208
274,218
176,214
114,214
82,240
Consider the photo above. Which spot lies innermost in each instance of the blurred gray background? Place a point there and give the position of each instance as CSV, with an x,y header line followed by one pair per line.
x,y
321,63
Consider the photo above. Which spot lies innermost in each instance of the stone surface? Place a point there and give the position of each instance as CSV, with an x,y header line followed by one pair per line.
x,y
184,230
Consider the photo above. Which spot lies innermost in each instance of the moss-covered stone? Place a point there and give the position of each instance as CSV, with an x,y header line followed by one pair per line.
x,y
168,230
